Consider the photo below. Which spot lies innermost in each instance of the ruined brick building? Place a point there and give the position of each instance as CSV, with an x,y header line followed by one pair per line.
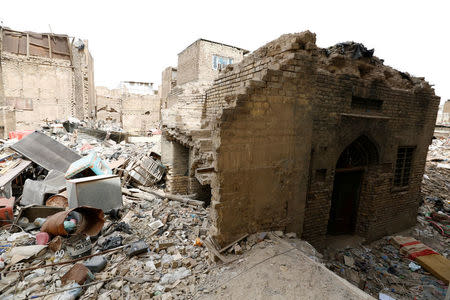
x,y
299,138
45,76
135,106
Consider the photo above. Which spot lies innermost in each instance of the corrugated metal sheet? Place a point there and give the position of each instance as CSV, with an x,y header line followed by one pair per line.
x,y
46,152
16,42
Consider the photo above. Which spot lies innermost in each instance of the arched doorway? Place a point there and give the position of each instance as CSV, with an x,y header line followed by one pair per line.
x,y
348,179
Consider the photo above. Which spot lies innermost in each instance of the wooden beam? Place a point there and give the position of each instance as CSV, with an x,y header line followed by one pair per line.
x,y
49,45
28,45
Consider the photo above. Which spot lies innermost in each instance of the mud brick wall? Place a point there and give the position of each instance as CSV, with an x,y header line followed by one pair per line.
x,y
40,88
195,63
176,161
280,120
185,106
262,143
407,118
137,113
187,69
43,88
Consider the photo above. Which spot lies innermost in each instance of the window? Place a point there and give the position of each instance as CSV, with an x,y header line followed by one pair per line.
x,y
403,166
219,62
366,104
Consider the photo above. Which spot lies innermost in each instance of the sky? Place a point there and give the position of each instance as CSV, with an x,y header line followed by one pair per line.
x,y
135,40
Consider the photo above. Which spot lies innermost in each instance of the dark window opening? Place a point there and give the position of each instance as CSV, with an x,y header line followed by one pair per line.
x,y
366,104
403,166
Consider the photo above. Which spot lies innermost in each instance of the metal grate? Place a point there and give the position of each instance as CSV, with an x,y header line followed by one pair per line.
x,y
403,166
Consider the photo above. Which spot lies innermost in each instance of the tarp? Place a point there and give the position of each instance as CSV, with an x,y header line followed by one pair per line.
x,y
46,152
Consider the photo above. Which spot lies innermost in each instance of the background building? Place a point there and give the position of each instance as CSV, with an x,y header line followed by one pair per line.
x,y
134,106
45,77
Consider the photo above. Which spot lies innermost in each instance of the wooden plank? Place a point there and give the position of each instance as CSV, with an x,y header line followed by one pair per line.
x,y
13,173
49,46
28,45
214,251
234,242
437,265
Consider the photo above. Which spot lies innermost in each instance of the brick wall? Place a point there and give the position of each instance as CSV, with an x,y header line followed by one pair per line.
x,y
286,112
205,59
135,112
42,87
187,69
195,63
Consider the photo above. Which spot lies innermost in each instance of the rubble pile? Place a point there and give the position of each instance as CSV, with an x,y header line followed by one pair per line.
x,y
147,244
381,268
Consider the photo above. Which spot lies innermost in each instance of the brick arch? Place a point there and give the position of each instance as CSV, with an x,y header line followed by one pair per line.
x,y
361,152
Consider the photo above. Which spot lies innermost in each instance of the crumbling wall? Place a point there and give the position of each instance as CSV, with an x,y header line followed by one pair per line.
x,y
108,104
45,78
176,160
83,106
7,121
140,113
168,82
186,106
261,144
39,88
134,112
280,120
296,68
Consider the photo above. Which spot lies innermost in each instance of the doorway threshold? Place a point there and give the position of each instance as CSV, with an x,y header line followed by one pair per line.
x,y
337,242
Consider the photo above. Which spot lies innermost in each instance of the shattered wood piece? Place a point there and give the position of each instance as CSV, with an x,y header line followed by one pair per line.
x,y
214,251
172,197
55,244
234,242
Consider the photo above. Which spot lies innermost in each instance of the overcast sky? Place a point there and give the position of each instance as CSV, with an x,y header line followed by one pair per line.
x,y
136,40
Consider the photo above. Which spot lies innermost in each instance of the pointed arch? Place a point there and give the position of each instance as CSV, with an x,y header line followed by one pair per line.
x,y
361,152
